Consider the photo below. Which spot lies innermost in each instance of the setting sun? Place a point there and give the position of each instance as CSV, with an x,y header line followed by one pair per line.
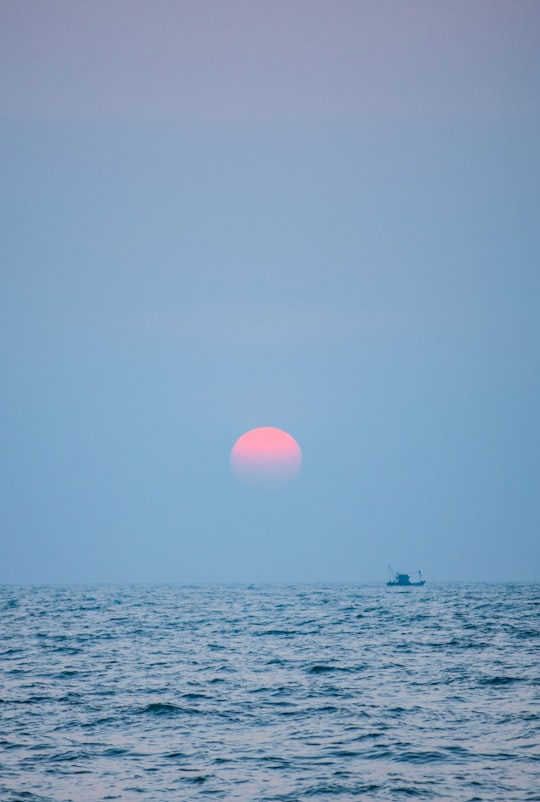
x,y
266,455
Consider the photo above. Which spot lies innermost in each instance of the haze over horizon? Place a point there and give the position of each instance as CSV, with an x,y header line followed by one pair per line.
x,y
318,216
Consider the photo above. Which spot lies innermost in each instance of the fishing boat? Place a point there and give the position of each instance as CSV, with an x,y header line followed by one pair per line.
x,y
404,581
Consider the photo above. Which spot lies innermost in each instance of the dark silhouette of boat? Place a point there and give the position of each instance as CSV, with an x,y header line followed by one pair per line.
x,y
404,581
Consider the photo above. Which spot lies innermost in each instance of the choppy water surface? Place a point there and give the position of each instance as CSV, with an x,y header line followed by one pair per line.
x,y
270,693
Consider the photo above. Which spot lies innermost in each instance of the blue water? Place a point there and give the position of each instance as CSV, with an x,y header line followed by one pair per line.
x,y
285,693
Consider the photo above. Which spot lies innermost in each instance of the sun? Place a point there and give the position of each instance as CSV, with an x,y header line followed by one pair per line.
x,y
266,455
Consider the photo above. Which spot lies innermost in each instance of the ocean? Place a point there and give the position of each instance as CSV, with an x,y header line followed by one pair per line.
x,y
270,693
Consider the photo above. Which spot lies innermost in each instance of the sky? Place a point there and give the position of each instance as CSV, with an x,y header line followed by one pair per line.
x,y
319,215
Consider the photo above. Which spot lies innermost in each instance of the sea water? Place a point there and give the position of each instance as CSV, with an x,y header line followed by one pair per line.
x,y
289,693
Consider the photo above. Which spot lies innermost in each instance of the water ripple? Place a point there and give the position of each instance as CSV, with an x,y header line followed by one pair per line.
x,y
269,693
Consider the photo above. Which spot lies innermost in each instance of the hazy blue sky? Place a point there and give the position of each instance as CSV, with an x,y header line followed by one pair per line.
x,y
321,216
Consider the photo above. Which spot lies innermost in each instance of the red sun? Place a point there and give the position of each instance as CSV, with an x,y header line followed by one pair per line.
x,y
266,455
